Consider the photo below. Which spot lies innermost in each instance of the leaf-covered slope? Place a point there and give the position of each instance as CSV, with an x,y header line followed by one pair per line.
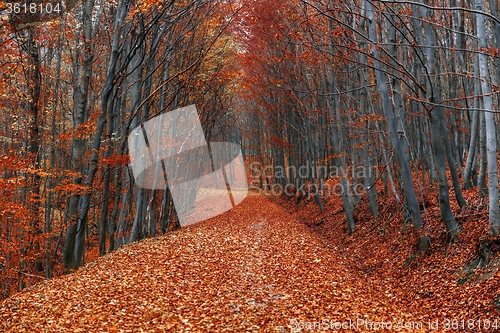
x,y
444,288
254,268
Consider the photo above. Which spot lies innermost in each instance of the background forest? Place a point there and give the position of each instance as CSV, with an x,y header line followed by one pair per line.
x,y
400,98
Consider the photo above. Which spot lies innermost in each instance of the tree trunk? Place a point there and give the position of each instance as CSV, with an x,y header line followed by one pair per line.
x,y
491,143
389,115
101,121
472,149
439,156
80,100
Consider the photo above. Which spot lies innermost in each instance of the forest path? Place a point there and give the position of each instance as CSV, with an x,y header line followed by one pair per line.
x,y
253,269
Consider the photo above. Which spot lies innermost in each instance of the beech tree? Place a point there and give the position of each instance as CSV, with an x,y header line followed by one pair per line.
x,y
342,101
407,63
490,127
120,63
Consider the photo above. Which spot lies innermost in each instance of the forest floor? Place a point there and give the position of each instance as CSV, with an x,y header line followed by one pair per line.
x,y
274,266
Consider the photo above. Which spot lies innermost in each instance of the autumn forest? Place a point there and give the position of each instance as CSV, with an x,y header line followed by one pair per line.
x,y
368,133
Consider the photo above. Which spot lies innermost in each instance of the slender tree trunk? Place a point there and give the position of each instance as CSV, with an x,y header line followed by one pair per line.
x,y
436,118
101,121
389,115
439,155
80,100
472,149
491,143
483,160
103,221
451,161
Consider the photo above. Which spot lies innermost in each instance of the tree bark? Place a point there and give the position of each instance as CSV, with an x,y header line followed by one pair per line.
x,y
389,115
491,143
80,100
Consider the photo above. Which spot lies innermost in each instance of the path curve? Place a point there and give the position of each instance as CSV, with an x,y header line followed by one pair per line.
x,y
252,269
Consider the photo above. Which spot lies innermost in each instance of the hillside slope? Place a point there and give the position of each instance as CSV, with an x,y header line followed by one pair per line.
x,y
257,268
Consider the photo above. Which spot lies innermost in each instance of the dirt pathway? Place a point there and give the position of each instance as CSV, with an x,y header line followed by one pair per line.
x,y
253,269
